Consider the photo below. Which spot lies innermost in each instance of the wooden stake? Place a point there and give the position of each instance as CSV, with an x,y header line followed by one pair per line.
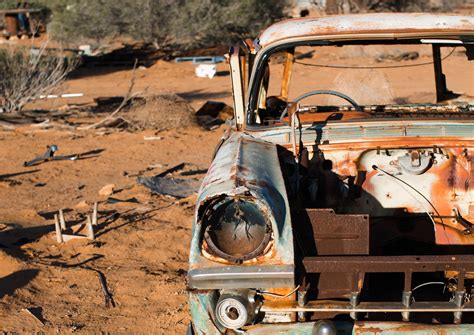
x,y
67,237
90,229
61,219
59,235
27,311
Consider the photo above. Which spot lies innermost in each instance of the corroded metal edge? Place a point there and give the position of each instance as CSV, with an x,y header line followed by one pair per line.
x,y
375,23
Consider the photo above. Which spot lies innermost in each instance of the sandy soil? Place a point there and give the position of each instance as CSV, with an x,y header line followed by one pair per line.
x,y
141,248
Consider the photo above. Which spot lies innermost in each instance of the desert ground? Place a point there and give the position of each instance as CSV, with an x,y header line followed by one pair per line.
x,y
142,239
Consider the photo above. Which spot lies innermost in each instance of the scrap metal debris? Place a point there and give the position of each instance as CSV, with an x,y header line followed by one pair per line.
x,y
175,187
61,227
206,71
398,56
49,156
111,200
201,59
193,172
212,114
108,298
172,186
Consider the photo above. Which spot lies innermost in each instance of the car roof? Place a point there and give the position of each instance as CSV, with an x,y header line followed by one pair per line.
x,y
376,25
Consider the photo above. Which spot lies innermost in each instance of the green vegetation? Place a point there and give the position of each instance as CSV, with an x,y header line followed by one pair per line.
x,y
165,23
186,24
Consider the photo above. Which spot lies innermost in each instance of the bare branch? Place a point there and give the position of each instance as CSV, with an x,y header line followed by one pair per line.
x,y
30,72
126,99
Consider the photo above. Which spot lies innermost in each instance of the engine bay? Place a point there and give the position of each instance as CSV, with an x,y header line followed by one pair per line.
x,y
363,200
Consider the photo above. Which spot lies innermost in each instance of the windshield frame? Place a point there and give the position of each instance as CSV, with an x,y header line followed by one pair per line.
x,y
263,55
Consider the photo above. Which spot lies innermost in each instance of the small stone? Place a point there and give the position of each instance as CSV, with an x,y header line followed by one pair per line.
x,y
82,205
107,190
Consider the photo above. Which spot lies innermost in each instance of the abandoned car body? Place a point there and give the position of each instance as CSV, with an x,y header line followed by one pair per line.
x,y
339,218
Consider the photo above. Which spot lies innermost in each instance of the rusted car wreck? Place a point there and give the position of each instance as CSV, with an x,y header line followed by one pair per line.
x,y
339,218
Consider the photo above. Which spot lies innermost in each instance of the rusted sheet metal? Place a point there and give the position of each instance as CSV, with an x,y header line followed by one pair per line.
x,y
446,187
300,328
380,23
360,132
201,305
395,328
337,306
389,263
247,168
363,328
334,234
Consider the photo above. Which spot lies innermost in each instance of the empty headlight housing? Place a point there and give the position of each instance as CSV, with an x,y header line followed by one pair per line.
x,y
236,230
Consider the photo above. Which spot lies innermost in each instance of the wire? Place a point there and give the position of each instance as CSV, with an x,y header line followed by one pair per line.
x,y
294,118
279,295
373,67
426,284
429,283
375,167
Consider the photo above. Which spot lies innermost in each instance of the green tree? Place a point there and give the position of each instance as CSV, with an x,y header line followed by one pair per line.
x,y
165,23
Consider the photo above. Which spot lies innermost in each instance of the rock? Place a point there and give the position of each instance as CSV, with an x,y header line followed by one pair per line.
x,y
107,190
82,205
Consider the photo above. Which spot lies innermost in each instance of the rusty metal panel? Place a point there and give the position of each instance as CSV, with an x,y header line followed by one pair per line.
x,y
363,328
201,305
400,328
336,234
390,264
248,168
388,23
330,306
11,24
367,132
447,184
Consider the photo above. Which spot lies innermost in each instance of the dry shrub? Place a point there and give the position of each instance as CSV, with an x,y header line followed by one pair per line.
x,y
167,24
28,73
409,5
160,112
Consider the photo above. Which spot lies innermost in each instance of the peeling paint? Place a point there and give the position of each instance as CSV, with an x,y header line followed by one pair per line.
x,y
379,23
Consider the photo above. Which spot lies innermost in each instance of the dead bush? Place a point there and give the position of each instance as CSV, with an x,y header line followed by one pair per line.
x,y
28,73
159,112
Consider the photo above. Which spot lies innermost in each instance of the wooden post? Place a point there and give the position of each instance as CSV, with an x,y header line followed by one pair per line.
x,y
90,229
59,235
11,24
61,219
288,69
